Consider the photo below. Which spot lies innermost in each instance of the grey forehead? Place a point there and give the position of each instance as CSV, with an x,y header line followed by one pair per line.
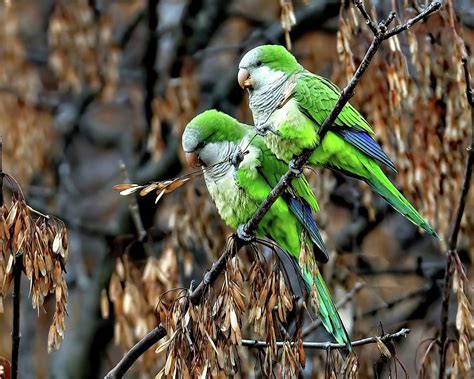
x,y
190,140
248,58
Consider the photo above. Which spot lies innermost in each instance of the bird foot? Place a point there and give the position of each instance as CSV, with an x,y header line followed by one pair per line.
x,y
294,168
237,157
263,129
243,235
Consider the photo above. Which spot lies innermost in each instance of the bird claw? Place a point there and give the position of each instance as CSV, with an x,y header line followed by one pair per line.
x,y
297,171
243,235
263,129
237,157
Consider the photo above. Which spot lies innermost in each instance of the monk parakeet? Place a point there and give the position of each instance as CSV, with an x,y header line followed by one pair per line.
x,y
289,104
240,171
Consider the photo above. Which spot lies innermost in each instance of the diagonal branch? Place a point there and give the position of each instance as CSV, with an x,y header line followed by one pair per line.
x,y
135,352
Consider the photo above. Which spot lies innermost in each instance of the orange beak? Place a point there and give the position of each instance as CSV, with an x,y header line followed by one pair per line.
x,y
193,159
244,79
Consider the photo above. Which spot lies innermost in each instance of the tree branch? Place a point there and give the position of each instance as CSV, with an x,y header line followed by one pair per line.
x,y
328,345
135,214
17,270
453,237
135,352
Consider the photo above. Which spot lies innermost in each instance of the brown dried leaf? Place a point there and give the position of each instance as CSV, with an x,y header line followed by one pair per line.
x,y
351,367
126,188
57,242
382,348
104,304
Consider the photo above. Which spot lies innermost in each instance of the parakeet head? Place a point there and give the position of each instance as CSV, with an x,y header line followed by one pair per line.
x,y
264,65
207,135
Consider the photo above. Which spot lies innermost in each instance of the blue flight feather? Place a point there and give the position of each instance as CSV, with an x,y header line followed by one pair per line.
x,y
303,213
364,142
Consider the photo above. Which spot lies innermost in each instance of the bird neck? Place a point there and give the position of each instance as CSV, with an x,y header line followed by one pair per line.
x,y
220,166
264,100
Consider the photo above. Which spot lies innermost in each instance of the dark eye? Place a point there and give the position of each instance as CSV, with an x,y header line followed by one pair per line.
x,y
259,63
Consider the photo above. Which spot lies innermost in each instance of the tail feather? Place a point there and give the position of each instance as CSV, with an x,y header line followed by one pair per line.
x,y
303,213
382,185
327,309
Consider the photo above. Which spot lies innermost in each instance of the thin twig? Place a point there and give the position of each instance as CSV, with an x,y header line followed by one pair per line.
x,y
391,303
368,20
135,213
328,345
453,237
348,297
17,270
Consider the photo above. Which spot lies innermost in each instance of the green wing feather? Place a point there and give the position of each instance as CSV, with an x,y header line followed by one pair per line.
x,y
274,169
316,97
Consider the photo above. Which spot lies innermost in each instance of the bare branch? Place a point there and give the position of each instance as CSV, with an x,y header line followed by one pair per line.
x,y
453,237
368,20
328,345
17,270
135,352
433,7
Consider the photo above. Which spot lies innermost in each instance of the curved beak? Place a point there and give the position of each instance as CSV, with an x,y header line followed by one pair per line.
x,y
193,159
244,79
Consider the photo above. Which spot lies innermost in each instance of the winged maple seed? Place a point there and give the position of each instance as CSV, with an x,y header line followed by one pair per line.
x,y
39,247
165,186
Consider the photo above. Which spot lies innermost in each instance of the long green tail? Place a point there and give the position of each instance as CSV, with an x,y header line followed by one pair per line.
x,y
382,185
327,309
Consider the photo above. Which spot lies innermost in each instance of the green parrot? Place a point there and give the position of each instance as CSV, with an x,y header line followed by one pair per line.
x,y
289,104
240,171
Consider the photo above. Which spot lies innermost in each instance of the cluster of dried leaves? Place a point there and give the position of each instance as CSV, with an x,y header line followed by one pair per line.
x,y
424,121
208,335
39,247
25,127
83,53
135,290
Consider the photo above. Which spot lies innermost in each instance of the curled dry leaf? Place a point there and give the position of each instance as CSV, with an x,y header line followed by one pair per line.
x,y
382,348
127,188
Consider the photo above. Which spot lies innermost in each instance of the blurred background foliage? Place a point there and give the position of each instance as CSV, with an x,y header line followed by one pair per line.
x,y
87,84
